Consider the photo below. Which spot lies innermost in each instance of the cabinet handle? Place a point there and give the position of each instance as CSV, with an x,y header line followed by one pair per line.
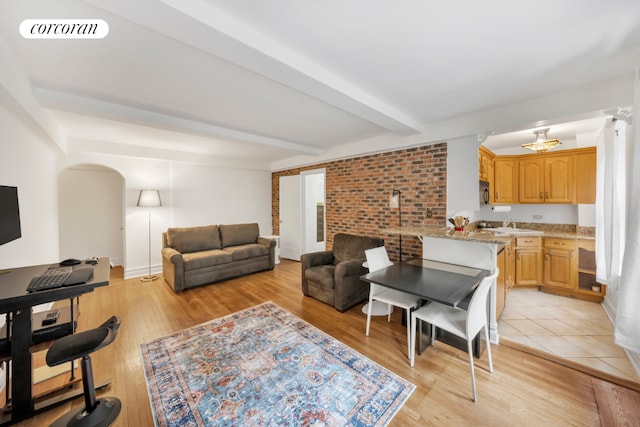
x,y
496,195
546,195
540,195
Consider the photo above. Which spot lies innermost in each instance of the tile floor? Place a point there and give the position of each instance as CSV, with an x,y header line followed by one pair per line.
x,y
573,329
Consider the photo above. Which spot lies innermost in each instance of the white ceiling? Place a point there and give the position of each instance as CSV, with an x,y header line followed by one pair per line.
x,y
259,81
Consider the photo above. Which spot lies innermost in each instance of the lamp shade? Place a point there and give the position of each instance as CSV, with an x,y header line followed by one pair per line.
x,y
149,199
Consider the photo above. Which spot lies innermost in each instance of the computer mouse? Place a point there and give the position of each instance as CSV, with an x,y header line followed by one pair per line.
x,y
70,261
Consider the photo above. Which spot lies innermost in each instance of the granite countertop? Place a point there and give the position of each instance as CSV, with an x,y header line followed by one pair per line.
x,y
479,235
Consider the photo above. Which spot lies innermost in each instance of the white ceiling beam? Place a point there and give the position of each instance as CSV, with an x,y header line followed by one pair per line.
x,y
124,113
247,48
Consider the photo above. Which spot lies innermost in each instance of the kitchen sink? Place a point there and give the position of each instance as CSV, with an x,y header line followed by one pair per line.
x,y
510,231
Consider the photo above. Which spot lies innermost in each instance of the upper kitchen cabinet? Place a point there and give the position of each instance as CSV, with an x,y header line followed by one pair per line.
x,y
567,176
546,178
486,170
505,180
485,164
558,179
584,167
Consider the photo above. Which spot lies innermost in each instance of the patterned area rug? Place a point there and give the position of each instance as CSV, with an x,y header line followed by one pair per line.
x,y
263,366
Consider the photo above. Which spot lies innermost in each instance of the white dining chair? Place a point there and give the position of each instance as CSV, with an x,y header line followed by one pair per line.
x,y
465,324
377,259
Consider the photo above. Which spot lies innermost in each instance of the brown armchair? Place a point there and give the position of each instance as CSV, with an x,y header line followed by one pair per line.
x,y
333,277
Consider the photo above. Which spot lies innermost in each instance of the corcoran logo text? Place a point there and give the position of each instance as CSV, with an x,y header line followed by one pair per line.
x,y
64,29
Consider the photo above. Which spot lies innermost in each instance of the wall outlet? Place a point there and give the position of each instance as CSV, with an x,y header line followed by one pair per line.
x,y
537,217
429,213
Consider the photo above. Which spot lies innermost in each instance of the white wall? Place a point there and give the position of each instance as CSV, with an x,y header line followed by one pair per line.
x,y
191,195
462,177
202,195
29,164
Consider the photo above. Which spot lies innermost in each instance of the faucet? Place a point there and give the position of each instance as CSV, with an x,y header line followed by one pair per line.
x,y
506,223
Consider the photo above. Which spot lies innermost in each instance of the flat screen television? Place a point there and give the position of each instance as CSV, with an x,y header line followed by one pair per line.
x,y
9,214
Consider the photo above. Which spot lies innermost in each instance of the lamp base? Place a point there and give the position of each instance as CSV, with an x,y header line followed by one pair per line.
x,y
149,278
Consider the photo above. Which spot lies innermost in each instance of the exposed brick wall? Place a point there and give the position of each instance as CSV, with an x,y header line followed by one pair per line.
x,y
358,191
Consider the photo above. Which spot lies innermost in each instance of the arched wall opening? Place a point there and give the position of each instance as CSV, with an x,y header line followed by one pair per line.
x,y
91,213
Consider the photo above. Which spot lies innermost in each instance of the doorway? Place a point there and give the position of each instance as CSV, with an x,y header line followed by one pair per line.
x,y
93,227
302,214
313,202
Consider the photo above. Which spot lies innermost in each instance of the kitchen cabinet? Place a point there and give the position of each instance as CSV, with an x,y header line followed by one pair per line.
x,y
560,263
580,271
546,179
584,167
506,262
567,176
588,287
528,254
501,291
510,267
486,169
485,163
505,180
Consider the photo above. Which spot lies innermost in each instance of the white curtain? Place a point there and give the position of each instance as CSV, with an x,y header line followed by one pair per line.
x,y
611,205
627,327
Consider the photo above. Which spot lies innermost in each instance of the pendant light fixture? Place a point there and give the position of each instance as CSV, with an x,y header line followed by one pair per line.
x,y
542,143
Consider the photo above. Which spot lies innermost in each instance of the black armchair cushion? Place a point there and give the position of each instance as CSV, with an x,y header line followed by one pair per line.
x,y
322,274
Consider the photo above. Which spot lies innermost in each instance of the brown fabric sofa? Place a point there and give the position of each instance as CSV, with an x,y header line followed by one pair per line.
x,y
195,256
333,277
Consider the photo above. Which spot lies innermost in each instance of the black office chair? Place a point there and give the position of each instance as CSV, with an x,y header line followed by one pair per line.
x,y
101,412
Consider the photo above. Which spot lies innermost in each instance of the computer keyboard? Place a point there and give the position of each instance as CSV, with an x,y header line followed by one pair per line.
x,y
57,277
52,278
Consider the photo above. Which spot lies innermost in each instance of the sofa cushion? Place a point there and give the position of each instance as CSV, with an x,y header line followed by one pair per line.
x,y
322,275
202,259
241,252
347,247
194,239
238,234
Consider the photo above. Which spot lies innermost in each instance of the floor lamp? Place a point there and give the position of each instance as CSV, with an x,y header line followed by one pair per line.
x,y
396,201
149,199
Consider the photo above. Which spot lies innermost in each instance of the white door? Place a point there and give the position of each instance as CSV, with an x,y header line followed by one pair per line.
x,y
290,208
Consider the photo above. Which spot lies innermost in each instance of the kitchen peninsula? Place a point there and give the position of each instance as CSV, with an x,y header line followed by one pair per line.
x,y
475,249
556,258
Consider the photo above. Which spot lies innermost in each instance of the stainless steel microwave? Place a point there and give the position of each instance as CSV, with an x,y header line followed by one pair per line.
x,y
484,193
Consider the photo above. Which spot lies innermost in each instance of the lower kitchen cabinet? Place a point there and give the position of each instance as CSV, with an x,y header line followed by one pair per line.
x,y
528,254
570,269
506,278
501,292
560,263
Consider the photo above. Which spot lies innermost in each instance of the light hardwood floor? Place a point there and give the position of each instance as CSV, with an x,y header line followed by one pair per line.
x,y
523,390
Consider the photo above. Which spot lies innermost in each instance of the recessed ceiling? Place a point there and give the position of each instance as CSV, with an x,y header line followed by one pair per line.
x,y
257,82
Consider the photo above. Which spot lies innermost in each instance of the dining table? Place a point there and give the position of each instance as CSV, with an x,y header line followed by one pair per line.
x,y
446,283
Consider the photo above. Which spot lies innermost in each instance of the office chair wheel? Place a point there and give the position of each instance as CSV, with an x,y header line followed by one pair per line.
x,y
105,413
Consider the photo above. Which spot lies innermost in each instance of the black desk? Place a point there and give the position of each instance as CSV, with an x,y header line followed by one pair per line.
x,y
16,300
445,283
